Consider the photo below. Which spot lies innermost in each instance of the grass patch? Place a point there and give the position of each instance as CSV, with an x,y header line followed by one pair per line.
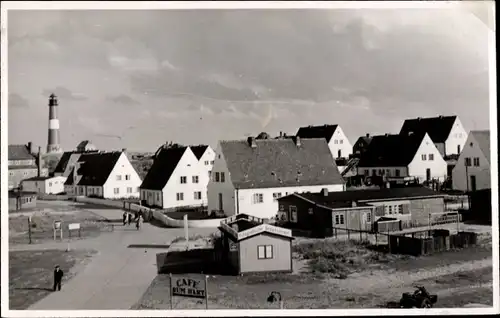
x,y
31,273
340,258
191,238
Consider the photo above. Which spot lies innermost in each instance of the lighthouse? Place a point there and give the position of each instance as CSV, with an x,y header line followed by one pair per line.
x,y
53,145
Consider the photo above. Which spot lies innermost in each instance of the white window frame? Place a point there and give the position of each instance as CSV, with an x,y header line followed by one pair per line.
x,y
264,252
180,196
118,177
183,178
116,190
196,179
476,160
276,196
293,217
424,157
127,177
222,177
431,157
197,195
258,198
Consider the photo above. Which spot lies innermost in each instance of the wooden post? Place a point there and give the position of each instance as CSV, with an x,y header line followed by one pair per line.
x,y
186,231
206,292
29,228
171,296
360,230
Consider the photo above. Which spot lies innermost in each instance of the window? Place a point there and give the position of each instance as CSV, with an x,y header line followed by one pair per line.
x,y
127,177
366,172
183,179
396,209
197,195
50,183
339,219
222,177
217,177
264,252
196,179
157,197
212,162
282,208
180,196
293,214
310,211
424,157
374,172
368,217
116,190
258,198
276,196
431,156
336,141
476,162
390,209
129,189
341,141
397,173
388,172
467,162
118,177
25,173
209,175
207,162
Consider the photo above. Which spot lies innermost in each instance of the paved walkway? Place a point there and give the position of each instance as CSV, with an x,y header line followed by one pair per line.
x,y
118,275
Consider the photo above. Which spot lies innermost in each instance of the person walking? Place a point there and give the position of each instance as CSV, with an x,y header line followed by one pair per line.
x,y
129,220
125,218
138,222
58,275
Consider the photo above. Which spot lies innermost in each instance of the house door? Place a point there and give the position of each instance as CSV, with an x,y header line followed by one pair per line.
x,y
339,154
221,205
458,149
428,174
473,183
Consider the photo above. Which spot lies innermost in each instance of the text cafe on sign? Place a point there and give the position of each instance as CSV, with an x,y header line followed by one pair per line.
x,y
193,286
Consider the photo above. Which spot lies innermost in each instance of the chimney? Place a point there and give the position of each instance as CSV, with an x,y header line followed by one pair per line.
x,y
30,147
367,135
387,135
39,161
251,142
354,204
297,141
124,149
419,118
440,116
324,191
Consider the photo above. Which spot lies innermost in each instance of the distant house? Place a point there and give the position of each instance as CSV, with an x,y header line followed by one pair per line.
x,y
22,164
337,141
20,200
250,175
249,245
472,171
108,175
401,156
361,145
84,146
45,185
317,214
447,132
67,162
205,155
176,179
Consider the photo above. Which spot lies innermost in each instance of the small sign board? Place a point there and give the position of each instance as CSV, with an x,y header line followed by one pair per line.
x,y
74,226
185,286
57,225
233,247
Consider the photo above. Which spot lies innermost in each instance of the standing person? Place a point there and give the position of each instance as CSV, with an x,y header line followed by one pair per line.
x,y
129,220
58,275
124,217
138,222
136,215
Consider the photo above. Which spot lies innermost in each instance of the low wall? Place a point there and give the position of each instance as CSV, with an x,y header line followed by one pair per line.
x,y
437,241
53,197
170,222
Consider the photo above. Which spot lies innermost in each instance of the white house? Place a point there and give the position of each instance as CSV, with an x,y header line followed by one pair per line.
x,y
400,156
205,155
472,171
447,132
176,179
108,175
46,185
249,175
338,142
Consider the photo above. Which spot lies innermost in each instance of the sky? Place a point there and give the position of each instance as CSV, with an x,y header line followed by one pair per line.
x,y
136,79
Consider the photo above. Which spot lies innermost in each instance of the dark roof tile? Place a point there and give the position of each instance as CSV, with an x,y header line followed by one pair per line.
x,y
95,168
325,131
19,152
280,163
163,166
438,128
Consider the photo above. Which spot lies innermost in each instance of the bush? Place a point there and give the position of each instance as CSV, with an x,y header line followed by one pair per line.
x,y
191,238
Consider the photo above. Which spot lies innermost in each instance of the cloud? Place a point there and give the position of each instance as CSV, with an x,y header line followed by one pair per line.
x,y
17,101
64,93
123,100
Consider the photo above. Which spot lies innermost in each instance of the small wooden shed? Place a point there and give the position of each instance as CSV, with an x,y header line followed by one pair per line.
x,y
249,245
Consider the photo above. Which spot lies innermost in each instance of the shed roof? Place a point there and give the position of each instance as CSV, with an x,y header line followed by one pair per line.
x,y
324,131
280,163
438,128
391,150
163,166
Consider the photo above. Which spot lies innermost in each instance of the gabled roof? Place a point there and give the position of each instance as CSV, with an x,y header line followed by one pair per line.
x,y
280,163
391,150
95,168
482,138
19,152
325,131
366,139
343,199
37,178
163,166
438,128
199,150
63,162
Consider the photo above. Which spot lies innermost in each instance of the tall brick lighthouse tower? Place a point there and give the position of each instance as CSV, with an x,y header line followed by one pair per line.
x,y
53,145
